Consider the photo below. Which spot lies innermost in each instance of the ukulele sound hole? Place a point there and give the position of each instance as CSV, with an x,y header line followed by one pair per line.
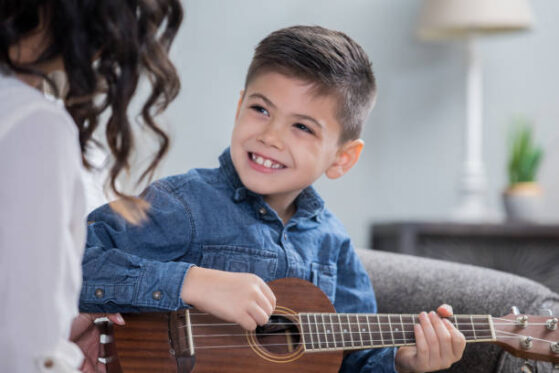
x,y
280,335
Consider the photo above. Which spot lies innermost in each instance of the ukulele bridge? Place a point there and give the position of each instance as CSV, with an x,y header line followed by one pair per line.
x,y
180,340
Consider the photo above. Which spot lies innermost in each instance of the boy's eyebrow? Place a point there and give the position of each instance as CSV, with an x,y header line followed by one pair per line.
x,y
264,98
268,102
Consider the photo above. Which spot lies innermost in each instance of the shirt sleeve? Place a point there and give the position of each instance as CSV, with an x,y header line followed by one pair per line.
x,y
133,268
41,242
354,294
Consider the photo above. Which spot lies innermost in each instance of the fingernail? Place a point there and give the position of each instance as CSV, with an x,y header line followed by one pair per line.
x,y
120,319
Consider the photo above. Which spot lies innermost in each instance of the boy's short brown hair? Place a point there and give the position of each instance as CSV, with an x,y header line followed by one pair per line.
x,y
330,60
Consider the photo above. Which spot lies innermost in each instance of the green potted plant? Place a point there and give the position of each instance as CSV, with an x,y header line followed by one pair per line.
x,y
523,195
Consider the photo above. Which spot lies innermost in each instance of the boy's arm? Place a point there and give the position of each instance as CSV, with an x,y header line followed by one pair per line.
x,y
354,294
134,267
131,268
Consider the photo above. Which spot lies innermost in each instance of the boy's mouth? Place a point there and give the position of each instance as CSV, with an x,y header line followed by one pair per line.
x,y
265,162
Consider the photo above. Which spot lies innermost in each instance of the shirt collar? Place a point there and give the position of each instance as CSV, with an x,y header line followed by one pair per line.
x,y
309,203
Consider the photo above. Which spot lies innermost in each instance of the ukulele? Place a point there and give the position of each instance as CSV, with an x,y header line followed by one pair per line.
x,y
304,334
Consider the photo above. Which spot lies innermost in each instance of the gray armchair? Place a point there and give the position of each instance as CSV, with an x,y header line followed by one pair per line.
x,y
409,284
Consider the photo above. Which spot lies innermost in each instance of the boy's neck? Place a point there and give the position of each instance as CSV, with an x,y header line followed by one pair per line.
x,y
284,207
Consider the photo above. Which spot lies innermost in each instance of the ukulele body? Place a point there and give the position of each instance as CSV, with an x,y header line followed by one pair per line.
x,y
163,342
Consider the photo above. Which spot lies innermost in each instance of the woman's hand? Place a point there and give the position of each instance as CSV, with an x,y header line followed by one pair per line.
x,y
242,298
85,334
438,344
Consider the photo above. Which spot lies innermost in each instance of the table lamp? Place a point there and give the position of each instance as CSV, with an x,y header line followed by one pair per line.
x,y
467,20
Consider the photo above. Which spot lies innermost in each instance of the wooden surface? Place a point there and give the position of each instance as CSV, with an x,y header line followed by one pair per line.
x,y
528,250
143,344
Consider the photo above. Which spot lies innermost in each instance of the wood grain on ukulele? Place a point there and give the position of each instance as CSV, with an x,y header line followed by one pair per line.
x,y
303,335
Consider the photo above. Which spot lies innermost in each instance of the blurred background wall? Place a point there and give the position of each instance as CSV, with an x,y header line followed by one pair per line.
x,y
412,160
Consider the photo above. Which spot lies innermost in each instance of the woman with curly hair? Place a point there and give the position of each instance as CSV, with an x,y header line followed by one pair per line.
x,y
100,48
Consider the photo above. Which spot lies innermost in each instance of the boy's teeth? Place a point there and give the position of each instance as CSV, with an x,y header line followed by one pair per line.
x,y
265,162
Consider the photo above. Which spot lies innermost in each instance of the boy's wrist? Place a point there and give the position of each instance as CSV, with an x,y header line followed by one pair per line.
x,y
188,290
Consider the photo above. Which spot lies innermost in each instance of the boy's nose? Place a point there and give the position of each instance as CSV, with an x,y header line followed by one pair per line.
x,y
271,135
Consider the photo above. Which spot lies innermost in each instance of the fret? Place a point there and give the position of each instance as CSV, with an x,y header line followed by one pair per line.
x,y
465,327
403,330
390,327
483,330
473,326
386,329
341,332
408,324
370,336
338,339
348,341
365,332
355,330
307,334
326,331
359,330
319,336
380,330
350,327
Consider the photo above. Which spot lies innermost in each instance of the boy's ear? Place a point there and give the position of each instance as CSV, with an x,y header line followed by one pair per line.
x,y
241,96
346,158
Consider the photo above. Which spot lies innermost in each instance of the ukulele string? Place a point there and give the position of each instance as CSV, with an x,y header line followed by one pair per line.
x,y
513,335
326,333
343,323
365,343
325,345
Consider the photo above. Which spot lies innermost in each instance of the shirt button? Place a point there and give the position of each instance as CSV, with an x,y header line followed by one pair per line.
x,y
99,293
156,295
262,211
285,236
48,363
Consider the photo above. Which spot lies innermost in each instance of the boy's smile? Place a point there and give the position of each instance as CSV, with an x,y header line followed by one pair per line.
x,y
285,137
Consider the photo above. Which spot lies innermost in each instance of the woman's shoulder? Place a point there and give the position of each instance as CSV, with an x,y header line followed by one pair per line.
x,y
22,105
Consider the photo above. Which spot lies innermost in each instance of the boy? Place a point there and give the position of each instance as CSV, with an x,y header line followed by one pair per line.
x,y
257,218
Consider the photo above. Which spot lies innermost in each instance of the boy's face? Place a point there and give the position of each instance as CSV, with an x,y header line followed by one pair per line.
x,y
285,136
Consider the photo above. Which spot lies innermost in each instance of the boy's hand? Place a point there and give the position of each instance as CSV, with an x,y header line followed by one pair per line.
x,y
242,298
438,344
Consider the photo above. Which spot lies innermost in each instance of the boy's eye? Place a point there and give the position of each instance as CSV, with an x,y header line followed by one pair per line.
x,y
259,109
302,127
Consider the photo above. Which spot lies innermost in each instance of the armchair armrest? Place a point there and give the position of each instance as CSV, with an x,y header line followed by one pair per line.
x,y
410,284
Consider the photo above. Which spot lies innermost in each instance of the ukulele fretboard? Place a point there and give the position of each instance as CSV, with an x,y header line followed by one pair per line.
x,y
346,331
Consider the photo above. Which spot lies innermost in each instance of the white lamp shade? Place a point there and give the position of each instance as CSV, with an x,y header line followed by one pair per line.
x,y
445,19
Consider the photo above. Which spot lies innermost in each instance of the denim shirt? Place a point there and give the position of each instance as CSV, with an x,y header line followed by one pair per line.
x,y
206,217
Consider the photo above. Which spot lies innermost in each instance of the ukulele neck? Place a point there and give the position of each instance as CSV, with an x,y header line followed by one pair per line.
x,y
343,331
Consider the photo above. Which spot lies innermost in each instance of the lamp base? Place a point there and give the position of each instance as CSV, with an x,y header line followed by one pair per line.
x,y
473,208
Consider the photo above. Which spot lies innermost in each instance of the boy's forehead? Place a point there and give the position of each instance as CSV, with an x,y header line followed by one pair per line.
x,y
279,88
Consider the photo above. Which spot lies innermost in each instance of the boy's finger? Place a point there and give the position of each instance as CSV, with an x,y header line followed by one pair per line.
x,y
269,294
445,310
430,334
446,351
265,304
458,339
422,349
258,314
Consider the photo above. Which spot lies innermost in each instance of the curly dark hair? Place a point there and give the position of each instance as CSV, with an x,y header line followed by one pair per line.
x,y
105,46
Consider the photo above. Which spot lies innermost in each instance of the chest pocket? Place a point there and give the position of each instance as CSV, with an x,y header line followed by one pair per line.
x,y
324,276
240,259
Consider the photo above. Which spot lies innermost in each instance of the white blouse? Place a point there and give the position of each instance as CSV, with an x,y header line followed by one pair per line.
x,y
42,231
